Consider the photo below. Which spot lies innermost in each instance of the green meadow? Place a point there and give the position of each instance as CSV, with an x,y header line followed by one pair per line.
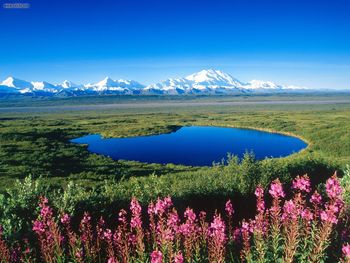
x,y
37,144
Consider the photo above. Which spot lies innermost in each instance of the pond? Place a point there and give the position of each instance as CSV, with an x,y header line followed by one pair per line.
x,y
194,145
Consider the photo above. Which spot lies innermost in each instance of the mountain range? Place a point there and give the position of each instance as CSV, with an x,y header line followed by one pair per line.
x,y
209,81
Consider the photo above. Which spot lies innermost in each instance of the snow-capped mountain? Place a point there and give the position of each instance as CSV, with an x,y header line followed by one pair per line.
x,y
205,81
209,81
109,85
70,85
213,78
43,86
260,84
17,84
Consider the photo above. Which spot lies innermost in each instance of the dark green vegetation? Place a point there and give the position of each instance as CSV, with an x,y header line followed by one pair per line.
x,y
37,144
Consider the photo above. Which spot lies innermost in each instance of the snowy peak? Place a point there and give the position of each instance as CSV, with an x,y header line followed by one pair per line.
x,y
16,83
260,84
106,82
213,77
68,85
206,81
44,86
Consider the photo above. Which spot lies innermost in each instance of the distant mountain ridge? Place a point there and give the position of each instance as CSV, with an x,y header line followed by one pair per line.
x,y
209,81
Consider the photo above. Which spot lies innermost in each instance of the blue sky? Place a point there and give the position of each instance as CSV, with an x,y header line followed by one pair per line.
x,y
300,42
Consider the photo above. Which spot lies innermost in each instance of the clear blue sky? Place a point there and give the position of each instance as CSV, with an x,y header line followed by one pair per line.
x,y
300,42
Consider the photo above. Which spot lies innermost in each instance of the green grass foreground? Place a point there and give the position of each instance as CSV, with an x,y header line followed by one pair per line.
x,y
37,144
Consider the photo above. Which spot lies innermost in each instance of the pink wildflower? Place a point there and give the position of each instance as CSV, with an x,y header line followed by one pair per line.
x,y
167,202
38,227
179,258
122,216
86,219
173,221
217,229
259,191
236,235
307,215
260,204
289,211
276,190
156,257
161,206
107,235
79,254
65,219
189,227
302,184
229,208
333,188
346,251
135,208
150,209
329,216
190,215
316,198
216,240
111,260
246,227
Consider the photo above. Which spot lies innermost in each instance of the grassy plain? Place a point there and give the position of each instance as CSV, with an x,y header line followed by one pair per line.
x,y
36,142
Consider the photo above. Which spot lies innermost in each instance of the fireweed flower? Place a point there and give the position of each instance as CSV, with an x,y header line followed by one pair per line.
x,y
135,208
189,227
156,257
260,204
190,215
245,232
276,190
237,235
167,202
302,184
47,231
329,215
346,251
38,227
316,199
333,187
178,258
65,219
217,229
161,206
173,221
290,211
107,234
111,260
259,191
307,215
86,219
216,240
229,208
100,228
122,217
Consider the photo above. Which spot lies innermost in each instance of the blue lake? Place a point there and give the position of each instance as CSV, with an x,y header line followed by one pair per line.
x,y
194,145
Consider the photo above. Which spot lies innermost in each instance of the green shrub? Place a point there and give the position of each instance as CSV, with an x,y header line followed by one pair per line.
x,y
345,182
18,206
